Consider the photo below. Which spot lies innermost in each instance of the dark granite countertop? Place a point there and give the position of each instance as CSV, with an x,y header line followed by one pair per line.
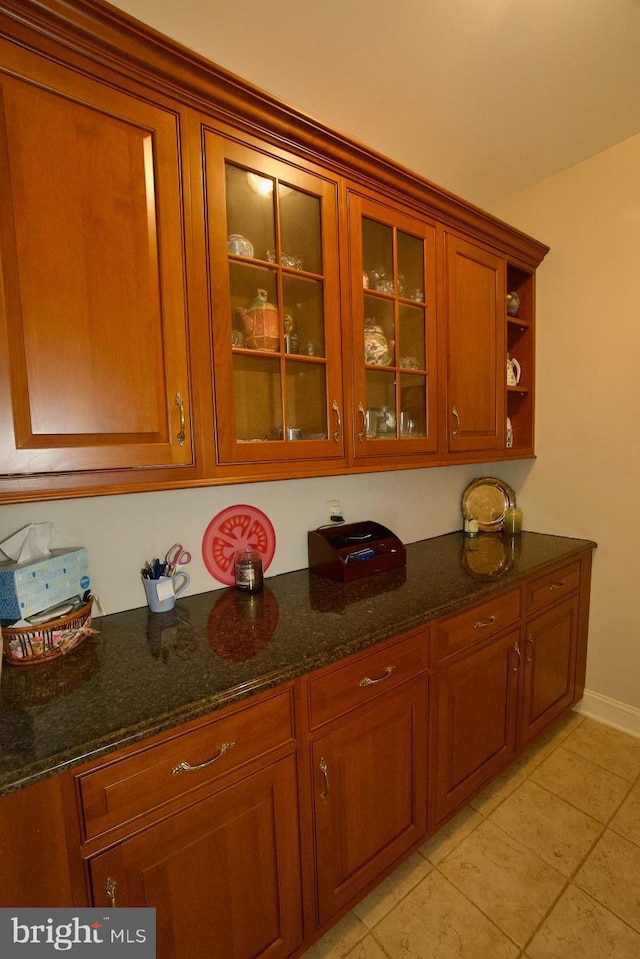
x,y
144,673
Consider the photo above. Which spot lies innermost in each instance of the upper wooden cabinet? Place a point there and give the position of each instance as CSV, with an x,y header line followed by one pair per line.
x,y
200,285
476,347
394,330
273,277
93,326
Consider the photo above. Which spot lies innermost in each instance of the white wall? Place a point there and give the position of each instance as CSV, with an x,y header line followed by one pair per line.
x,y
586,478
121,532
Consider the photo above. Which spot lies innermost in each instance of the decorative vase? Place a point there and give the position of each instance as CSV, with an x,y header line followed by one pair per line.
x,y
513,303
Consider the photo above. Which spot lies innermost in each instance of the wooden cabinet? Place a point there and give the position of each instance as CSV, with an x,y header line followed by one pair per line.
x,y
252,831
223,874
182,309
199,826
475,697
94,353
272,245
475,347
368,768
394,330
550,649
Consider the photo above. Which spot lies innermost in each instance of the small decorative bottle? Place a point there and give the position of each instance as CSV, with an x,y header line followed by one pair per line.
x,y
513,303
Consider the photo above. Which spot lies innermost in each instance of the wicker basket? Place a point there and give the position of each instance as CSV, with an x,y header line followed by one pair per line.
x,y
25,646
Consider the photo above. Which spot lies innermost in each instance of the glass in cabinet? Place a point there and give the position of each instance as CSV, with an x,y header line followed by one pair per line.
x,y
272,231
394,335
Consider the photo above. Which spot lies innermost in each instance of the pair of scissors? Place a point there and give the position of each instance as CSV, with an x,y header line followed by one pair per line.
x,y
177,555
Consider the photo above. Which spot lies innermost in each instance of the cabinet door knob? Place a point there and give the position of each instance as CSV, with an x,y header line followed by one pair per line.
x,y
185,767
372,682
181,434
559,585
336,410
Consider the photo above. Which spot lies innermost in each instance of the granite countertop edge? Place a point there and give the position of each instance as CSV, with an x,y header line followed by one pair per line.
x,y
98,746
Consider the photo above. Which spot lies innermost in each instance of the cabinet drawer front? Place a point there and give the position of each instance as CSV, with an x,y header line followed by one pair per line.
x,y
471,627
552,587
369,675
122,790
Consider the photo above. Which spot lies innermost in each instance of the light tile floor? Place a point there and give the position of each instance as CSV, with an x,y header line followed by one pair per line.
x,y
545,864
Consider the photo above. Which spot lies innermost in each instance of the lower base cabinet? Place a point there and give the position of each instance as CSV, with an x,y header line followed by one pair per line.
x,y
254,829
223,875
549,655
475,719
369,801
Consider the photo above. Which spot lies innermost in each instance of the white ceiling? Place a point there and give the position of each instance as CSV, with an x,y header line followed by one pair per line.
x,y
483,97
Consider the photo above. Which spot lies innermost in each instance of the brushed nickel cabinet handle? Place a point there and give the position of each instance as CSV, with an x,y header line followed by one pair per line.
x,y
454,412
363,431
181,432
110,891
372,682
324,769
336,410
186,767
482,623
530,646
559,585
516,649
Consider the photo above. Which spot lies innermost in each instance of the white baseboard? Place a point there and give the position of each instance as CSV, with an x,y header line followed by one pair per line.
x,y
610,712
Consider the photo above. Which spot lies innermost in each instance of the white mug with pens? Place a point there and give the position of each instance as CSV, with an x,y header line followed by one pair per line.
x,y
164,581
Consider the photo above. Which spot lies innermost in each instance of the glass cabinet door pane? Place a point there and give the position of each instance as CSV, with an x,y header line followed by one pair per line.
x,y
411,267
303,316
381,420
254,307
306,411
411,335
300,230
379,331
377,256
250,212
258,397
413,405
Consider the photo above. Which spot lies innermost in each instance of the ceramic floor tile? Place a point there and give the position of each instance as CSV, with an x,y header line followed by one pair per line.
x,y
385,896
367,949
589,787
340,940
435,921
626,821
497,791
447,838
611,874
580,928
511,885
547,825
608,747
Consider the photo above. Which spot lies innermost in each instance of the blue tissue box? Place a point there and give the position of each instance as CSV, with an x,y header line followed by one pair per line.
x,y
28,588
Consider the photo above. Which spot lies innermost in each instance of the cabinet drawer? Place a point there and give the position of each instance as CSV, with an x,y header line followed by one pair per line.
x,y
129,787
548,589
475,624
361,679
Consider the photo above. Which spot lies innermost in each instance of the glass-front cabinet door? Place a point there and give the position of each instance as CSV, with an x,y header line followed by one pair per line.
x,y
394,331
274,294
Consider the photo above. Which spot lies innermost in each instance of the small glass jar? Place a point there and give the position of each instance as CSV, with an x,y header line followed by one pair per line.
x,y
248,569
513,520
